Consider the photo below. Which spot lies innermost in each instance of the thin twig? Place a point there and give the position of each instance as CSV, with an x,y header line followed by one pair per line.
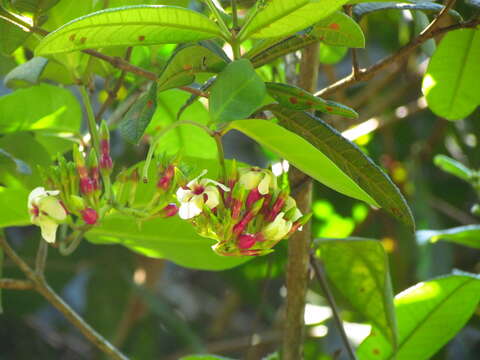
x,y
353,51
44,289
366,74
15,284
112,94
320,275
41,258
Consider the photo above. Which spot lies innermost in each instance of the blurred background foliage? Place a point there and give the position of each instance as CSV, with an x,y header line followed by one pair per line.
x,y
155,309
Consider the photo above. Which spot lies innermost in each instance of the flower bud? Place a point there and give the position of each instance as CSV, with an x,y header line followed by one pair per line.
x,y
256,178
169,210
277,206
246,241
90,216
166,179
278,229
106,163
299,223
94,171
79,162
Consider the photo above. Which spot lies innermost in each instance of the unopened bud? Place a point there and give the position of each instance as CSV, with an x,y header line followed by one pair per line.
x,y
246,241
299,223
166,179
87,186
90,216
79,162
277,206
242,224
253,196
76,203
106,163
169,210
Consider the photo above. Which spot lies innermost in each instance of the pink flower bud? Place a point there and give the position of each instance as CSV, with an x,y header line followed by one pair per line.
x,y
87,185
253,196
169,210
104,147
246,241
242,224
106,162
166,179
236,208
90,216
277,207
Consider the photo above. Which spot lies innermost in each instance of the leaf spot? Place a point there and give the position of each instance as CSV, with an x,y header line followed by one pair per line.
x,y
293,100
376,352
141,38
187,67
334,26
149,103
82,40
329,109
72,37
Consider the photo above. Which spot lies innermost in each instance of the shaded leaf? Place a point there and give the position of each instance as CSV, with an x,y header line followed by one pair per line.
x,y
237,92
296,98
468,235
1,272
451,84
474,3
189,60
429,314
204,357
364,9
13,207
359,269
55,109
129,26
7,159
453,167
26,74
11,36
349,159
421,21
137,119
279,18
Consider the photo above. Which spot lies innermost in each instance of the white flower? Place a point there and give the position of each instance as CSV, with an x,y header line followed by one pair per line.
x,y
289,204
46,211
198,193
254,177
277,229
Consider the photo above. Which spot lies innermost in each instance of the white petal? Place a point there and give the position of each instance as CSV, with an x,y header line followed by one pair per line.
x,y
36,193
53,208
205,182
183,194
189,210
290,203
49,230
264,185
250,180
194,181
213,197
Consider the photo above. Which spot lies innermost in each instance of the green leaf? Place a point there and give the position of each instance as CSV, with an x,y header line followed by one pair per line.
x,y
468,235
204,357
7,159
429,314
187,139
55,109
453,167
296,98
129,26
279,18
349,160
336,30
474,3
26,74
13,207
11,36
450,84
136,120
237,92
189,60
364,9
331,55
1,272
358,268
421,21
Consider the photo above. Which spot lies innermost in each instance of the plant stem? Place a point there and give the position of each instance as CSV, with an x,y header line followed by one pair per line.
x,y
93,129
320,275
221,155
14,284
213,8
46,291
234,41
41,257
234,15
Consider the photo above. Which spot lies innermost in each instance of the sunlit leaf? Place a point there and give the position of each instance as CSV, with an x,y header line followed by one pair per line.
x,y
453,167
348,159
26,74
11,36
237,92
129,26
468,235
279,18
358,268
13,207
451,84
296,98
136,120
429,314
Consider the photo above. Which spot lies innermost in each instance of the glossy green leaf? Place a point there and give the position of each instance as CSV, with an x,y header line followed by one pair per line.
x,y
7,160
129,26
451,84
32,6
364,9
55,109
349,159
468,235
189,60
237,92
302,154
137,119
26,74
358,268
453,167
296,98
336,30
279,18
11,36
429,314
13,207
173,239
331,55
187,139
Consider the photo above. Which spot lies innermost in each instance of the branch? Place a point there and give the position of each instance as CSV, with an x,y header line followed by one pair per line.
x,y
320,275
14,284
366,74
44,289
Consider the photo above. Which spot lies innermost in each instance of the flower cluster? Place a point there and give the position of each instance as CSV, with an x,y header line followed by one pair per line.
x,y
247,214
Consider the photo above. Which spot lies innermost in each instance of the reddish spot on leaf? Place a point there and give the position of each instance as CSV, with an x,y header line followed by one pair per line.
x,y
309,103
334,26
376,352
329,109
149,103
141,38
293,100
82,40
72,37
362,290
187,67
